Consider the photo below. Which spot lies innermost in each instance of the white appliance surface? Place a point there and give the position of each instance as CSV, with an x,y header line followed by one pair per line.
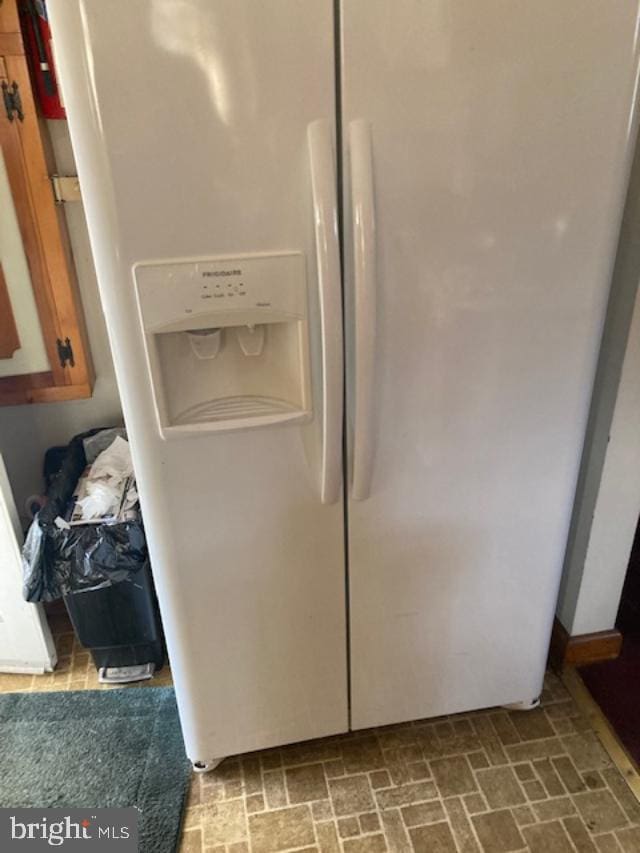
x,y
501,136
486,149
189,122
26,644
246,324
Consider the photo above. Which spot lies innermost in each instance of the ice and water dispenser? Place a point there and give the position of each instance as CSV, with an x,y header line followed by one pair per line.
x,y
227,341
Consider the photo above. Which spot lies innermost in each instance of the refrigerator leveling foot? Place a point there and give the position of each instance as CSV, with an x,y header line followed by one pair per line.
x,y
527,705
206,766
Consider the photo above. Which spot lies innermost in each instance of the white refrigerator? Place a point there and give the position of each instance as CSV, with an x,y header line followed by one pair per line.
x,y
354,259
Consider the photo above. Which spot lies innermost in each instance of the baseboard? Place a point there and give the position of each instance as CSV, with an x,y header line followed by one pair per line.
x,y
582,649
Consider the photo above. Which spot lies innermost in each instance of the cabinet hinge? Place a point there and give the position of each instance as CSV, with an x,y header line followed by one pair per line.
x,y
65,353
66,188
12,100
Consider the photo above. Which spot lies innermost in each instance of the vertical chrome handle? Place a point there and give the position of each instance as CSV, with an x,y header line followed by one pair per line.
x,y
325,215
364,274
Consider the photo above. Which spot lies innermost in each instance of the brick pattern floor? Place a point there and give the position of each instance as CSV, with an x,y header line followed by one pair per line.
x,y
484,782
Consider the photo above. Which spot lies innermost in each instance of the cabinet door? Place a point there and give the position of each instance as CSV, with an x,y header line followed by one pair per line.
x,y
500,137
43,349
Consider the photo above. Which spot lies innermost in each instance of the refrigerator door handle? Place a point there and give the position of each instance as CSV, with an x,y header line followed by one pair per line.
x,y
364,267
325,216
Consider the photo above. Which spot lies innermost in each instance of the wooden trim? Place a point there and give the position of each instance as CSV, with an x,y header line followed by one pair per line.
x,y
11,44
29,161
9,18
59,393
24,381
15,157
582,649
9,338
38,388
53,236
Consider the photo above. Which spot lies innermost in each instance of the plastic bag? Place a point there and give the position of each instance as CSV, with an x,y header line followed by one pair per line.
x,y
108,481
96,442
59,559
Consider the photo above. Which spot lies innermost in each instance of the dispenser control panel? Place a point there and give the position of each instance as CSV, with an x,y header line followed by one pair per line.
x,y
176,295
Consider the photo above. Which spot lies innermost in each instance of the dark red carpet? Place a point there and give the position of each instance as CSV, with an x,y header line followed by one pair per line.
x,y
615,685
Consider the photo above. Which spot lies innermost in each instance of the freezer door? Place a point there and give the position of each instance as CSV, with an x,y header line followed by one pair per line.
x,y
486,153
204,137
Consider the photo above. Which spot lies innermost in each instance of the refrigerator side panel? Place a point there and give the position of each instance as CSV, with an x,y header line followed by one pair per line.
x,y
189,122
500,142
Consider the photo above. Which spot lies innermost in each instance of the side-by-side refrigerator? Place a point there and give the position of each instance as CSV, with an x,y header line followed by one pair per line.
x,y
354,260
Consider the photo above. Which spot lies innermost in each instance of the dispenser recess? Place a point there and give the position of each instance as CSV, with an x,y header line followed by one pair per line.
x,y
227,341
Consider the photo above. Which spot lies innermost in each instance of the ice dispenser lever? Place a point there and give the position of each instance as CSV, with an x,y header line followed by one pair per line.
x,y
251,339
205,343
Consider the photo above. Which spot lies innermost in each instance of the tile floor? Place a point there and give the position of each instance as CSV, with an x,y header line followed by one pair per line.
x,y
487,781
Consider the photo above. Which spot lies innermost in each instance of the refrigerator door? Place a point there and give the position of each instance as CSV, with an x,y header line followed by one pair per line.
x,y
479,246
191,124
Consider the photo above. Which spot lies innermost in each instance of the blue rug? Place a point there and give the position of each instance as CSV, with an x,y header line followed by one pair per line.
x,y
97,748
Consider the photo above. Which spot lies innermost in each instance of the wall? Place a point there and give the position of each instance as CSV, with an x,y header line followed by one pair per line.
x,y
27,431
607,501
618,504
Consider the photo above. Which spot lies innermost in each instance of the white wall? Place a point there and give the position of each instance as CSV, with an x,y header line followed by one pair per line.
x,y
618,504
607,494
27,431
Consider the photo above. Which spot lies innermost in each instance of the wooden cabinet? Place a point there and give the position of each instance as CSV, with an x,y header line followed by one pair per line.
x,y
44,354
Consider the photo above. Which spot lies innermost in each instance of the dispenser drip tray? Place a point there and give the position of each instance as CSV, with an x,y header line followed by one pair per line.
x,y
241,407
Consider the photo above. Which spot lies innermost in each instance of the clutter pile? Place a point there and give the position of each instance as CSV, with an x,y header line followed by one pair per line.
x,y
89,533
87,545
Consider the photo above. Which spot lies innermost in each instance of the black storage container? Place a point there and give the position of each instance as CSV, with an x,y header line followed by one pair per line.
x,y
101,571
119,624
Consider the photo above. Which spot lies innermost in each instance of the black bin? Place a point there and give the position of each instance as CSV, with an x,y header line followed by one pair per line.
x,y
101,570
119,624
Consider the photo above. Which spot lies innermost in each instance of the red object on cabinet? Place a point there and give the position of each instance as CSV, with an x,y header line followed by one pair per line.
x,y
37,42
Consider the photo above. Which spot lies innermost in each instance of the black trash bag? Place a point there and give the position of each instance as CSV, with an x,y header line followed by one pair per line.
x,y
59,560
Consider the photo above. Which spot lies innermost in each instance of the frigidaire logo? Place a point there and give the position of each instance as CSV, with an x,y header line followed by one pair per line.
x,y
69,829
216,273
